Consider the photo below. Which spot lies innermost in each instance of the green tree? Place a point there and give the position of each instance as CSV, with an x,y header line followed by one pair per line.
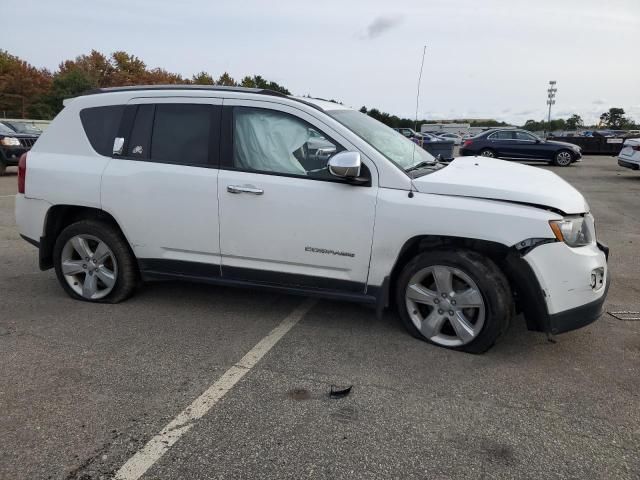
x,y
615,118
574,122
226,80
66,85
202,78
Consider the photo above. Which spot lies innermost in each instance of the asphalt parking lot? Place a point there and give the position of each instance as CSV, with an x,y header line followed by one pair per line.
x,y
84,387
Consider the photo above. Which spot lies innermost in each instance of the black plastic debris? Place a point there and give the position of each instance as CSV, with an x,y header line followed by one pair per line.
x,y
339,392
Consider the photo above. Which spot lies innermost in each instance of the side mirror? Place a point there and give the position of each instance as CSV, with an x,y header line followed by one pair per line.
x,y
118,145
345,165
537,140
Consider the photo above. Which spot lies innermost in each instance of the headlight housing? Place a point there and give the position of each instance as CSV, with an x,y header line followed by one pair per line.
x,y
10,142
575,231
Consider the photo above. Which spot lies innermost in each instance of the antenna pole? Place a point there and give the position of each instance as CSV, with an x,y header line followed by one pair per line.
x,y
424,51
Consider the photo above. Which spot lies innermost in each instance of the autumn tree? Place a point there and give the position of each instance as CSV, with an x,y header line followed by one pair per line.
x,y
95,66
159,76
21,84
128,69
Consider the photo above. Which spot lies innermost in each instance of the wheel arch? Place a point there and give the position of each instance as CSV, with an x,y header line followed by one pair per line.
x,y
529,296
59,217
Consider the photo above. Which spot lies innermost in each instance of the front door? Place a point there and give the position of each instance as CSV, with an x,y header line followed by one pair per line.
x,y
283,218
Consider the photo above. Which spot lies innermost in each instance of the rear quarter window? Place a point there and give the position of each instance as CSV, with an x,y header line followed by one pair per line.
x,y
101,126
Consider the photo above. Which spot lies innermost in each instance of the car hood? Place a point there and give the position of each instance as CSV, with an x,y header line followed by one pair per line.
x,y
561,144
483,177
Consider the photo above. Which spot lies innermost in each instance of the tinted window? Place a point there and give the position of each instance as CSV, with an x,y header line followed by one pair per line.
x,y
524,136
181,134
502,135
141,132
101,126
271,141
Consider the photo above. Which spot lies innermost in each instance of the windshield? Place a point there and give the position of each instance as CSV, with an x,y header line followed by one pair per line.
x,y
4,130
23,127
393,145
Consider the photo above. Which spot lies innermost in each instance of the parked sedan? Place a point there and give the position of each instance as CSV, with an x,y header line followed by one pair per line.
x,y
456,139
521,145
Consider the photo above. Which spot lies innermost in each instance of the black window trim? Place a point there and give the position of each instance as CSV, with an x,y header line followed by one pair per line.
x,y
126,129
226,149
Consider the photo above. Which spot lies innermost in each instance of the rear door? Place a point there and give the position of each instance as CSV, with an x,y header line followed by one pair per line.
x,y
502,142
162,190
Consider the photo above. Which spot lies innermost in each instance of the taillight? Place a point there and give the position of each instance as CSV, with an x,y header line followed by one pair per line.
x,y
22,172
467,143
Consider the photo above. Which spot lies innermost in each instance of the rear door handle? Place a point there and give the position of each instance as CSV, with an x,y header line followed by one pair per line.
x,y
244,189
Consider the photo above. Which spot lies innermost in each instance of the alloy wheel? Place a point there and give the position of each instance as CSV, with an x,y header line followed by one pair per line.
x,y
487,153
445,305
89,266
563,158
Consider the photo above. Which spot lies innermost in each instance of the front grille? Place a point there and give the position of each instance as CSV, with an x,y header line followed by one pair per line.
x,y
27,142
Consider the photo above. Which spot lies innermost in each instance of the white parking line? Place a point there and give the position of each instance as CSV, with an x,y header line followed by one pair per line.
x,y
137,465
6,196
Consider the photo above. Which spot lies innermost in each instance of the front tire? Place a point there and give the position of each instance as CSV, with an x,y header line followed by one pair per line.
x,y
455,299
93,262
562,158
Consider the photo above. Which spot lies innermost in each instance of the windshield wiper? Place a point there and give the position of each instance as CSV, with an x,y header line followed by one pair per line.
x,y
422,164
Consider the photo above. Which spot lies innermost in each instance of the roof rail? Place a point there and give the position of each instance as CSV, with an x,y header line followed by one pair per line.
x,y
130,88
133,88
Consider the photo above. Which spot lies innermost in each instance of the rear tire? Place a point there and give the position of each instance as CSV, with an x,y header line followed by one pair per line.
x,y
487,152
3,168
466,309
562,158
94,263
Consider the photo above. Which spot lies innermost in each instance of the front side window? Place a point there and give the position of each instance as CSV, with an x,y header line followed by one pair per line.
x,y
525,136
275,142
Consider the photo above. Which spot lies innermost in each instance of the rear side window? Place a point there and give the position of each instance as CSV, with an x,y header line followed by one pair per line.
x,y
504,135
101,126
181,134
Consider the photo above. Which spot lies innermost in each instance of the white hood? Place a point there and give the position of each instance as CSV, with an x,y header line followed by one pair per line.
x,y
483,177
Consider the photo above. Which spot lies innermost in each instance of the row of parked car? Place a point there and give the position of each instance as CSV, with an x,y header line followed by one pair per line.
x,y
16,138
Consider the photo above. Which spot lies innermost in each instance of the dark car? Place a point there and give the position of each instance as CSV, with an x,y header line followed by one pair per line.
x,y
13,145
521,145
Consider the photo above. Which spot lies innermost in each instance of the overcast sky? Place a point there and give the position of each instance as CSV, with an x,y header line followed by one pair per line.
x,y
484,58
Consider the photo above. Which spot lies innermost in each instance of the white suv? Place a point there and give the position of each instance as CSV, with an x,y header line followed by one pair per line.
x,y
249,187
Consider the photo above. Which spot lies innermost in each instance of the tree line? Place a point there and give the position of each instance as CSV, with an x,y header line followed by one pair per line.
x,y
30,92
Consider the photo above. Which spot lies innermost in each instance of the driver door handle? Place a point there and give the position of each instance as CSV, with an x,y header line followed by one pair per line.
x,y
244,189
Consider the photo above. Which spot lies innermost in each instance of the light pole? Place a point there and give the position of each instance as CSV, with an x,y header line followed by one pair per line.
x,y
551,95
